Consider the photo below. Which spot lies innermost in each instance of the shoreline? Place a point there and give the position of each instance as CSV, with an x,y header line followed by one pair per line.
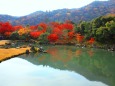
x,y
4,42
11,52
8,53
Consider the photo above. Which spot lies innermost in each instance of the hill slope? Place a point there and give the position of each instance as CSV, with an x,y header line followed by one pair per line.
x,y
93,10
5,18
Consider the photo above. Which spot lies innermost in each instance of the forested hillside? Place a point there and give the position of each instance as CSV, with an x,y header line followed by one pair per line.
x,y
99,30
86,13
5,18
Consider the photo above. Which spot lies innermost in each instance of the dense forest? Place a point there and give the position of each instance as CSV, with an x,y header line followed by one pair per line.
x,y
99,30
86,13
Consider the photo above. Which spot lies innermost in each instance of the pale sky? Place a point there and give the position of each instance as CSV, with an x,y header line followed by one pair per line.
x,y
25,7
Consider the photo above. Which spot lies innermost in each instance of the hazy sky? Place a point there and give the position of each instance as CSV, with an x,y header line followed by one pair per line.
x,y
25,7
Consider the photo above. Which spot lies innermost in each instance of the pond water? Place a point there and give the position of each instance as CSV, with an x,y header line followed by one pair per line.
x,y
61,66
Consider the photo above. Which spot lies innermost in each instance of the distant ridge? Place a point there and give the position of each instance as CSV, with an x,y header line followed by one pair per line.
x,y
86,13
5,18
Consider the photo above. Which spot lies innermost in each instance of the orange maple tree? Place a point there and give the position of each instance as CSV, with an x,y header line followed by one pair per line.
x,y
79,37
91,41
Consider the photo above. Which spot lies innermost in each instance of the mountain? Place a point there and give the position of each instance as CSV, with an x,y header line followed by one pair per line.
x,y
35,13
86,13
5,18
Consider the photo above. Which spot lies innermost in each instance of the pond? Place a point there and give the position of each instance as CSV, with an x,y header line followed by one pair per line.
x,y
61,66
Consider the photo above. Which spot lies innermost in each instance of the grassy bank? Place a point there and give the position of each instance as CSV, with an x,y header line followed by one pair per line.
x,y
11,52
3,42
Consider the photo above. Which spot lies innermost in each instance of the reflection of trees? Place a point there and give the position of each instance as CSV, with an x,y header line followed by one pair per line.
x,y
78,53
99,68
57,55
90,52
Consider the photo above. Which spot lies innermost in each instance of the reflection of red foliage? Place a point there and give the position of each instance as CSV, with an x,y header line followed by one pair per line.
x,y
78,52
53,37
54,54
35,34
91,53
53,51
79,38
91,41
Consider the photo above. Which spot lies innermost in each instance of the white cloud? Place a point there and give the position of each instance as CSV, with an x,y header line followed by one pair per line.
x,y
19,72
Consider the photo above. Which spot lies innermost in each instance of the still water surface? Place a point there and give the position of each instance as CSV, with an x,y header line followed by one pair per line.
x,y
61,66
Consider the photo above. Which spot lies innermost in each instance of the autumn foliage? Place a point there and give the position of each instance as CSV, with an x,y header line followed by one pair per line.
x,y
22,31
6,27
57,32
79,38
53,37
68,26
35,34
91,41
71,34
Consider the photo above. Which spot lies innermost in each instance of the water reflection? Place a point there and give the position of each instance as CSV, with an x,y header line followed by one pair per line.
x,y
78,53
19,72
94,64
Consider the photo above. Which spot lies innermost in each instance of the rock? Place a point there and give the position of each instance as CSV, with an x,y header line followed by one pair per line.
x,y
8,43
41,49
17,47
34,49
27,51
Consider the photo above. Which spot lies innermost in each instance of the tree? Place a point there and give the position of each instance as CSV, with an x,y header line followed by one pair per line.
x,y
111,26
103,35
43,37
71,34
91,41
6,27
14,36
7,34
53,37
79,38
35,34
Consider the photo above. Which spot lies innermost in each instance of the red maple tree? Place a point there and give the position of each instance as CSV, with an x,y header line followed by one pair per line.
x,y
35,34
53,37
